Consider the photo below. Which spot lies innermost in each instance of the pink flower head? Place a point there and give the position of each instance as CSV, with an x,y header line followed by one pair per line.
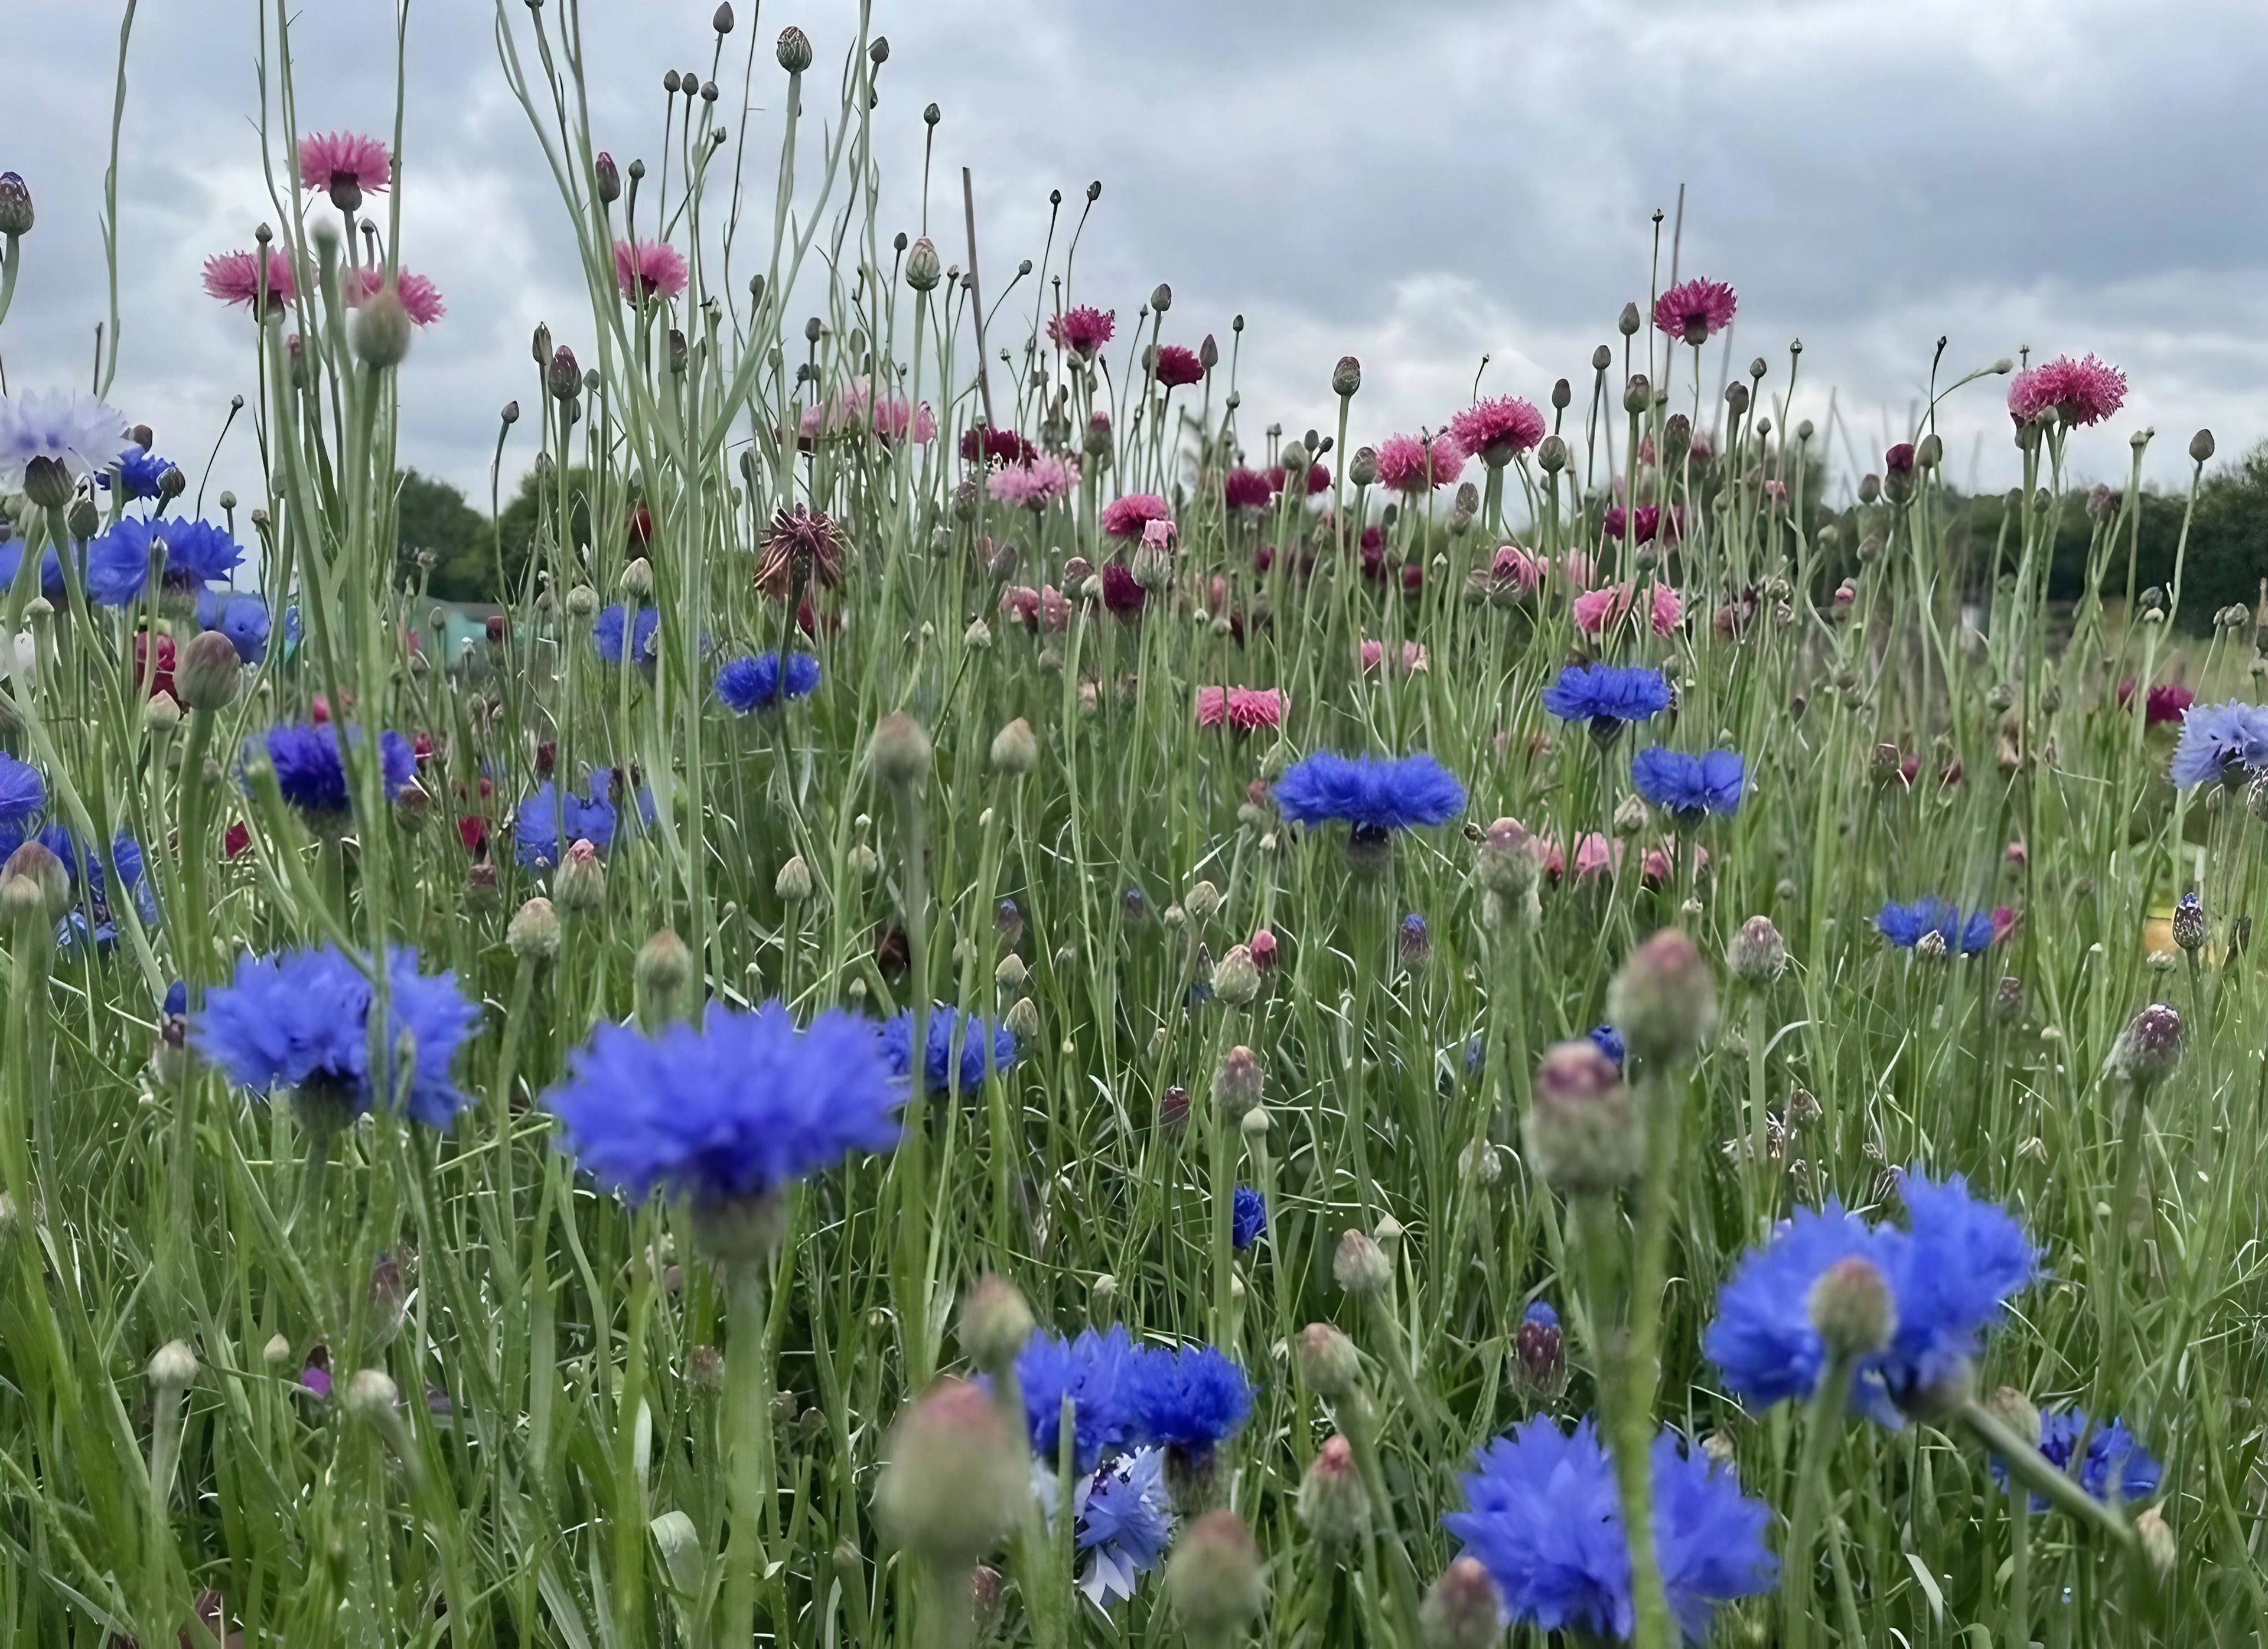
x,y
2014,854
1035,485
2082,391
1668,606
1579,567
813,421
1055,610
1318,479
647,269
2164,703
1597,610
1413,658
1243,488
1899,460
1127,517
1515,568
1699,450
1695,310
419,296
234,277
1157,534
1082,330
1176,366
1648,522
1372,654
1402,462
898,419
1776,490
338,161
1660,861
1243,709
1595,852
1020,604
2004,923
1498,429
1263,949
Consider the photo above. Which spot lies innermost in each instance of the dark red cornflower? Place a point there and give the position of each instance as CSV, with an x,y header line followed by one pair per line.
x,y
1899,460
2164,703
421,746
235,839
1120,593
1176,366
812,622
1243,488
1082,330
641,526
1413,576
982,443
800,549
162,681
473,831
1646,526
1695,310
1318,479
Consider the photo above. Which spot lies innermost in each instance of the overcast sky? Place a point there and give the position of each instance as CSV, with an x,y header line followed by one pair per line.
x,y
1420,183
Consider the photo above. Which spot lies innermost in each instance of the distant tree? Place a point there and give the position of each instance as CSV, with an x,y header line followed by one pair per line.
x,y
532,516
432,518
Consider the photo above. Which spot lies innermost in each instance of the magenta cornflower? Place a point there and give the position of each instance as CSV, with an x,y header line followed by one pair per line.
x,y
1243,488
1035,485
1127,517
1176,366
1082,330
419,296
2082,391
1695,310
339,161
649,268
1406,464
1499,429
234,277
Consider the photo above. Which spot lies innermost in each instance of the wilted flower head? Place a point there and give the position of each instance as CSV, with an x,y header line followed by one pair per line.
x,y
1695,310
2081,391
647,269
1409,465
800,547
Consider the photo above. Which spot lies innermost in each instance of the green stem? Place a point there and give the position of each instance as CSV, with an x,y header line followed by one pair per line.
x,y
1823,1431
749,1418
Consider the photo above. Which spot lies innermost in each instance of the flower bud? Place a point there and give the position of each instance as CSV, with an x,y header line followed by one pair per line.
x,y
532,934
2150,1047
208,674
957,1477
2158,1547
1014,750
901,752
2189,922
173,1367
1627,323
1333,1503
1360,1265
46,483
1539,1370
16,214
922,270
160,715
580,882
995,1323
2014,1409
1327,1362
277,1352
1239,1079
793,882
380,330
610,179
1664,1000
664,968
1236,977
2201,447
636,580
1506,859
565,377
1851,1306
1584,1133
1637,394
1161,298
1362,468
1463,1610
1216,1578
1758,954
794,50
1023,1019
371,1395
1346,376
36,883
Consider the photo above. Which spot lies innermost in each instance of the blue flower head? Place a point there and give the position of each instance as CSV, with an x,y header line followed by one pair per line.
x,y
1191,1399
90,886
729,1110
312,774
1372,793
1122,1518
1539,1311
1609,1041
300,1020
982,1043
1544,1518
1095,1372
193,553
242,618
2219,741
2111,1451
1606,694
1689,787
607,631
550,822
22,792
141,474
1904,925
1248,1218
746,684
51,568
1762,1342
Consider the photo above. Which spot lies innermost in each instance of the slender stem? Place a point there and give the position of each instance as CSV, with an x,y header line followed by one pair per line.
x,y
1822,1432
748,1442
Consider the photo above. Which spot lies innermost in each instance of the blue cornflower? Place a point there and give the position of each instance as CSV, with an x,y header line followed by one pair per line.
x,y
2219,741
1902,926
22,792
1544,1519
1095,1371
194,554
1122,1518
727,1111
1189,1399
607,630
1607,696
312,775
51,568
550,821
1689,787
140,473
1950,1274
1372,794
2111,1451
242,618
1248,1218
300,1020
980,1039
746,684
177,999
1540,1312
90,884
1609,1041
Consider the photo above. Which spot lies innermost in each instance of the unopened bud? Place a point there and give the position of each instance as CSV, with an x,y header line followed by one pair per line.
x,y
532,934
1540,1354
372,1395
1664,1000
1238,1080
957,1478
1463,1610
1216,1577
35,884
380,330
2158,1547
580,881
173,1366
2201,447
794,50
901,752
1758,954
1015,751
1851,1306
1327,1362
2189,922
995,1323
1360,1266
1333,1503
663,969
2150,1047
1584,1133
16,214
2014,1409
1023,1019
1346,376
1236,977
636,580
792,884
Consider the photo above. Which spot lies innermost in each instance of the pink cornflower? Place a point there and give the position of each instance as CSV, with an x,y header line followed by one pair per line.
x,y
2004,923
2164,703
1242,708
2082,391
1598,610
1318,479
1499,429
1082,330
1695,310
1176,367
1243,488
1594,852
1158,535
895,419
1035,485
1127,517
1402,462
1513,568
649,268
419,296
1055,610
1020,604
234,277
1414,660
347,164
1263,949
1660,861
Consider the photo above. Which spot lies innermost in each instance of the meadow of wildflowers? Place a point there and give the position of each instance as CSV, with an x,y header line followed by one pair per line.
x,y
1007,1004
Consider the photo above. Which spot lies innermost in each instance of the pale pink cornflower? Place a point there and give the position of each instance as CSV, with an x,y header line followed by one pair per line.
x,y
895,419
1498,429
1021,603
1594,852
649,268
1403,462
2082,391
234,277
419,296
1578,568
1241,709
1601,609
1413,657
1055,610
1660,861
1514,568
1158,535
347,164
1695,310
1082,330
1035,485
1130,516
